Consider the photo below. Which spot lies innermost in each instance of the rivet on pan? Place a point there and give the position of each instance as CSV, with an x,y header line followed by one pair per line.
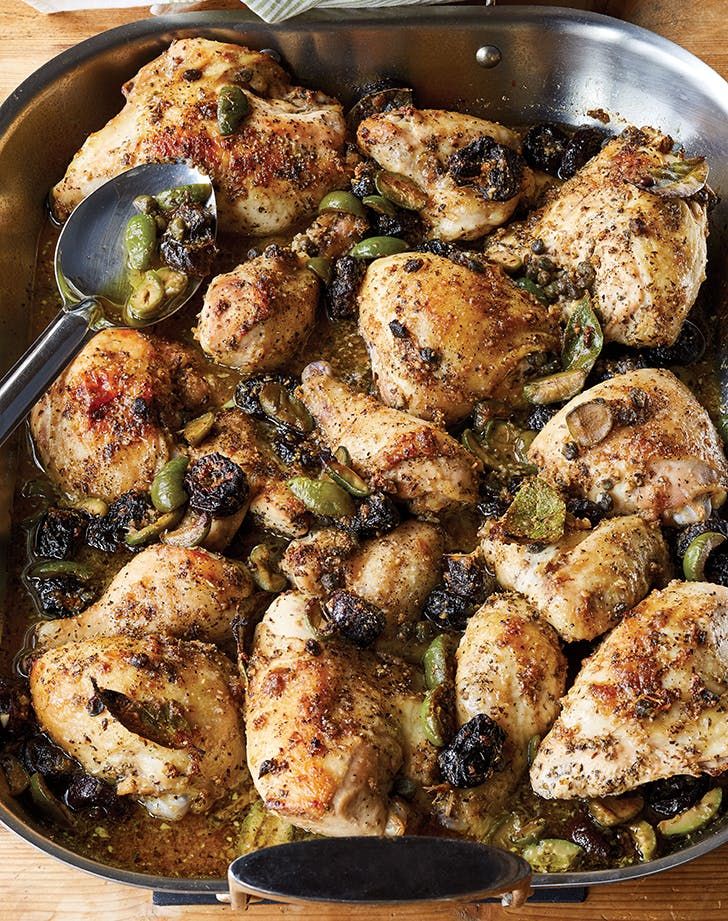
x,y
488,56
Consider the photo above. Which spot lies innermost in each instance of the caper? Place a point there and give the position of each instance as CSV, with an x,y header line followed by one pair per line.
x,y
436,661
232,107
177,228
380,204
320,266
281,407
152,531
140,240
342,201
322,497
146,299
171,199
262,564
193,530
375,247
145,204
49,568
401,190
345,477
433,716
49,804
175,283
197,430
167,492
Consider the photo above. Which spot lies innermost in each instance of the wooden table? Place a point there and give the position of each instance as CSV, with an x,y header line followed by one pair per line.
x,y
35,888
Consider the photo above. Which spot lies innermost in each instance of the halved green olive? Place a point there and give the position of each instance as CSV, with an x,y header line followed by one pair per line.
x,y
171,199
644,838
380,204
154,530
281,407
322,497
140,240
341,200
146,300
552,855
320,266
610,811
376,247
93,506
348,479
167,492
17,777
232,107
510,262
696,556
555,387
197,430
145,204
590,422
174,282
49,568
693,819
264,569
193,530
436,661
432,716
48,803
501,446
403,191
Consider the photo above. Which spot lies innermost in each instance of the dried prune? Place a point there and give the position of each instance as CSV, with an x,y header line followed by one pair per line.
x,y
688,535
375,516
539,416
60,532
341,293
584,144
608,367
62,596
216,485
544,147
673,795
493,503
493,169
130,511
592,511
363,181
41,756
465,574
582,832
474,753
16,711
194,252
87,792
447,610
404,224
354,618
465,258
689,348
247,393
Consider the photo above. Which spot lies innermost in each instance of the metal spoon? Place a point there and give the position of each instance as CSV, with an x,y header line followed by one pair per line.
x,y
89,264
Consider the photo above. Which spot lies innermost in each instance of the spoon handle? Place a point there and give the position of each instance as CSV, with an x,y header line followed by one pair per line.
x,y
31,376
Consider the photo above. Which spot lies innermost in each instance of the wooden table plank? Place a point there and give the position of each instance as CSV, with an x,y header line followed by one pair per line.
x,y
36,888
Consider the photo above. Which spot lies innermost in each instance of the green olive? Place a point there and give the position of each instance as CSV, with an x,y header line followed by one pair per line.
x,y
264,569
146,300
380,204
375,247
696,556
644,838
177,228
321,267
436,661
140,240
342,201
432,716
232,107
611,811
48,803
49,568
552,855
401,190
170,199
348,479
197,430
175,283
145,204
322,497
693,819
167,491
192,532
556,387
278,404
93,506
151,532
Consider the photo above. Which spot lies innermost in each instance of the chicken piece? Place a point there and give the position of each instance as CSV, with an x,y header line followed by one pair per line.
x,y
583,584
104,427
414,460
285,155
271,502
395,572
511,668
441,336
156,717
171,591
464,200
648,252
651,702
328,725
662,457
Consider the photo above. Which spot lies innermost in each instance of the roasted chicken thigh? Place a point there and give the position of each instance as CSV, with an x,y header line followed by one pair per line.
x,y
286,153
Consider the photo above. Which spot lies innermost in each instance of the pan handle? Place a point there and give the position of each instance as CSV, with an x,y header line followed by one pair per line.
x,y
379,871
31,376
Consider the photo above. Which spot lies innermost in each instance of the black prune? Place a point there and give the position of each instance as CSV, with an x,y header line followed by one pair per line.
x,y
341,293
688,348
544,147
583,144
465,258
63,595
466,575
193,250
594,512
474,753
606,367
60,533
354,618
375,516
404,224
247,393
16,711
42,756
672,795
594,842
363,181
447,610
216,485
87,792
129,511
688,535
538,416
493,169
492,503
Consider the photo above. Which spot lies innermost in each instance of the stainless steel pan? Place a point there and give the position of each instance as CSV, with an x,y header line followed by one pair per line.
x,y
515,64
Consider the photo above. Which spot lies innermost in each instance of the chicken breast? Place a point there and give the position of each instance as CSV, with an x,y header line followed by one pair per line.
x,y
105,426
273,169
648,252
461,204
398,453
661,457
324,724
650,703
583,584
395,572
271,503
166,590
257,317
441,336
155,717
